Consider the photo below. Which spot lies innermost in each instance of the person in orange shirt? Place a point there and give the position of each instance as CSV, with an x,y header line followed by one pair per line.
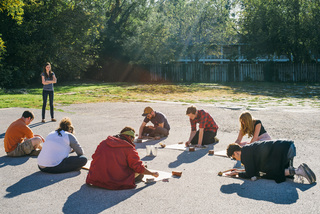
x,y
19,140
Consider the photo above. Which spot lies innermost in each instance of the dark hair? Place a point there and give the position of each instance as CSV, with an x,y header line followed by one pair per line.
x,y
127,128
27,114
191,110
45,71
233,147
65,125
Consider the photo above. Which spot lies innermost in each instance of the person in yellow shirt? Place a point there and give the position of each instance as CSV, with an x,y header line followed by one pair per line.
x,y
19,140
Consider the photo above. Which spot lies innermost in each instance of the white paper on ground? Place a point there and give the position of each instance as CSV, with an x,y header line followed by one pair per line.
x,y
222,153
162,175
142,140
181,147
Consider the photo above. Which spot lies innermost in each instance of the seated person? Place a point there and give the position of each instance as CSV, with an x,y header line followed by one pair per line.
x,y
273,158
161,126
207,127
19,140
253,128
116,164
54,156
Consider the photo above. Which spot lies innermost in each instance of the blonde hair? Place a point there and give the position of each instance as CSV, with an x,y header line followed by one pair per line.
x,y
247,124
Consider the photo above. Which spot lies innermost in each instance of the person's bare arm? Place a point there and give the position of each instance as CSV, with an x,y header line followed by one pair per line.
x,y
47,82
256,133
147,172
141,129
201,131
192,134
240,136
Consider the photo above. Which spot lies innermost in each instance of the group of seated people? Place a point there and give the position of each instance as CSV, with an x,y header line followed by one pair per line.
x,y
117,165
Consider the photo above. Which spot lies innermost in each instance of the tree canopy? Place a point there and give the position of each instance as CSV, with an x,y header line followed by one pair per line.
x,y
101,38
281,27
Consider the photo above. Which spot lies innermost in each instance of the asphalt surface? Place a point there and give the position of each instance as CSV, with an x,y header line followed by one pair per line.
x,y
24,189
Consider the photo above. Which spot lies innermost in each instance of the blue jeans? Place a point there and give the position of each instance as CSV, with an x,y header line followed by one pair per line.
x,y
71,163
44,104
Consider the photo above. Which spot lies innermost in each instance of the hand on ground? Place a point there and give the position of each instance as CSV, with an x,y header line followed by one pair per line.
x,y
155,174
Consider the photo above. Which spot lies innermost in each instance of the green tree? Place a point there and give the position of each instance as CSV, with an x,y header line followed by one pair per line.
x,y
122,19
59,31
13,8
278,27
184,29
315,30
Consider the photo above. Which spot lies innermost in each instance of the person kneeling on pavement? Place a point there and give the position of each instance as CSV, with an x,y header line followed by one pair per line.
x,y
272,158
116,164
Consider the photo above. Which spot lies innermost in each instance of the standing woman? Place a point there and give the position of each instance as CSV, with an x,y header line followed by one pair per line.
x,y
253,128
54,156
48,78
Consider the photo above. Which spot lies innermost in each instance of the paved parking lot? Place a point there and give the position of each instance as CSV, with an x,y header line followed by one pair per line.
x,y
24,189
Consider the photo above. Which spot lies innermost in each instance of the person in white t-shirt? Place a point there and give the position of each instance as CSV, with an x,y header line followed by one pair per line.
x,y
54,156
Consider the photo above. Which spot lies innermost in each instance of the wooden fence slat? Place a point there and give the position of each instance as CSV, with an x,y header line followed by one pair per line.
x,y
199,72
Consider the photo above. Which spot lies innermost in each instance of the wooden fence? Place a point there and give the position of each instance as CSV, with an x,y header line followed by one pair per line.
x,y
199,72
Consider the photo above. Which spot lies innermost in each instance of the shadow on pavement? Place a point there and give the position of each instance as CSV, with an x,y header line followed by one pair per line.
x,y
189,157
36,181
36,124
95,200
148,142
267,190
13,161
147,158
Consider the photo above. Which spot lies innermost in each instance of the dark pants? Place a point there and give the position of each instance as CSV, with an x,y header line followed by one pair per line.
x,y
44,98
208,138
291,154
152,132
71,163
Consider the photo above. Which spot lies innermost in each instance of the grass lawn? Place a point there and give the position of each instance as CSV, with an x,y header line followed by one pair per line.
x,y
249,94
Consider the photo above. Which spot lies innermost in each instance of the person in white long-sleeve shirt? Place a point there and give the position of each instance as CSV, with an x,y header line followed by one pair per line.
x,y
54,156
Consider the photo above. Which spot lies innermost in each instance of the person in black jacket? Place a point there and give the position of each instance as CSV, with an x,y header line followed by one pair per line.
x,y
273,158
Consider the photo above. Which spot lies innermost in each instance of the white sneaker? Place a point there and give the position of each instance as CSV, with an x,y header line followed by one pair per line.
x,y
305,173
310,172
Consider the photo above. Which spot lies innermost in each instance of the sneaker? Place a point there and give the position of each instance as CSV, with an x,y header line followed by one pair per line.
x,y
53,120
310,172
302,171
43,121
